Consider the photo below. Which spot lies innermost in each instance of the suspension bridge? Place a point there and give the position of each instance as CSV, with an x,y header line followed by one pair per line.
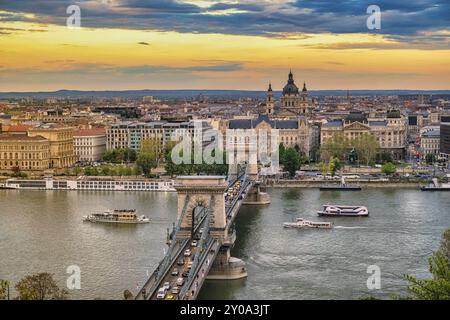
x,y
204,233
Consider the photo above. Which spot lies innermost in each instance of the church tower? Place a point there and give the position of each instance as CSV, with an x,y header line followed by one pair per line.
x,y
304,100
269,101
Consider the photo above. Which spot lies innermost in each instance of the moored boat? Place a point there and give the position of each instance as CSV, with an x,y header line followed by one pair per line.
x,y
343,211
117,216
302,223
436,186
343,186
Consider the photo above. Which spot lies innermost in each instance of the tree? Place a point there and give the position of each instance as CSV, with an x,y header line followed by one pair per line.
x,y
366,147
437,288
40,286
389,168
4,289
334,166
77,170
91,171
386,157
335,147
291,161
324,168
105,170
120,155
153,147
146,161
430,158
281,152
445,244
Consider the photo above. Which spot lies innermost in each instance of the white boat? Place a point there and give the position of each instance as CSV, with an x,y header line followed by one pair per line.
x,y
343,211
301,223
117,216
90,184
436,186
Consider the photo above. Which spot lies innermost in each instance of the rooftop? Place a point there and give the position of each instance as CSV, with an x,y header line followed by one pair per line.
x,y
89,132
15,137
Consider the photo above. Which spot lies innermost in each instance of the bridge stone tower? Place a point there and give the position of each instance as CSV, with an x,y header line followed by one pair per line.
x,y
202,191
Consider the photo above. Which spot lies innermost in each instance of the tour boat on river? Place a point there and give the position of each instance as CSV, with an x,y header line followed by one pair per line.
x,y
343,211
301,223
117,216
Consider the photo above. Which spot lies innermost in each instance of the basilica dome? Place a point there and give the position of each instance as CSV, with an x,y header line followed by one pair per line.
x,y
290,88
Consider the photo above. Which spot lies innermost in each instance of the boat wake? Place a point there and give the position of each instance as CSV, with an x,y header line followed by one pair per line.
x,y
349,228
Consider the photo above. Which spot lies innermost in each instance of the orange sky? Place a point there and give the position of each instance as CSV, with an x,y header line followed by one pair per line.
x,y
38,57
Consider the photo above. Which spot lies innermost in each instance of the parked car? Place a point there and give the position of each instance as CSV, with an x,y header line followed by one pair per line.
x,y
187,252
175,272
180,262
194,243
170,297
176,290
185,274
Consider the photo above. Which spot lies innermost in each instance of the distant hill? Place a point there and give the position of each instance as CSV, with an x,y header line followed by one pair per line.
x,y
188,94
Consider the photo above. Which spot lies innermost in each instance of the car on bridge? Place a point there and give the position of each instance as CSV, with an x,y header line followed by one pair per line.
x,y
175,271
187,253
180,281
161,293
166,285
194,243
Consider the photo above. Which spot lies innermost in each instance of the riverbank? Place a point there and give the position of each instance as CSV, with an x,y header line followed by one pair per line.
x,y
364,184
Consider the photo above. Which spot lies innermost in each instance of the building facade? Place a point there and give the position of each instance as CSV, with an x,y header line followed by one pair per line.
x,y
89,144
131,134
290,133
445,137
62,153
390,131
430,142
24,153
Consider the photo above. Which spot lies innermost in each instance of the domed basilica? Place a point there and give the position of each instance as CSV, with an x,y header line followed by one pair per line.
x,y
293,102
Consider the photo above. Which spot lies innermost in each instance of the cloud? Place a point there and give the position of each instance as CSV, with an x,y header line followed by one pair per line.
x,y
281,18
71,67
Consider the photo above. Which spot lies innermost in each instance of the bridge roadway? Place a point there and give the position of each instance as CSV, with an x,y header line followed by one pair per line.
x,y
193,269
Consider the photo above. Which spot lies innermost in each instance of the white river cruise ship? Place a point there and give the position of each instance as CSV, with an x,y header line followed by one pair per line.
x,y
90,184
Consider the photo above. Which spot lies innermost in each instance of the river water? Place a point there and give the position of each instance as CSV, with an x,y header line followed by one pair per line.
x,y
42,231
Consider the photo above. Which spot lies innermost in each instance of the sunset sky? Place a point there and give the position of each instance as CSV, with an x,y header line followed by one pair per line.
x,y
208,44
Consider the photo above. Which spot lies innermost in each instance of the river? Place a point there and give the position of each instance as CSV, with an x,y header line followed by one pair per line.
x,y
42,231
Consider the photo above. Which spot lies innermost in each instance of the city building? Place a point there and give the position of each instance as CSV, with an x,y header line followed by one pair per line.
x,y
430,142
293,101
291,133
61,144
445,137
24,153
89,144
389,130
131,134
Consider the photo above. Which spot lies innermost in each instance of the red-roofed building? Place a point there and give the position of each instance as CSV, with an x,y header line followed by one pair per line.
x,y
17,129
89,144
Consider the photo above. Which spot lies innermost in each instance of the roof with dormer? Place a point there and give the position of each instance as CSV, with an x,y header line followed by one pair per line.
x,y
253,123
